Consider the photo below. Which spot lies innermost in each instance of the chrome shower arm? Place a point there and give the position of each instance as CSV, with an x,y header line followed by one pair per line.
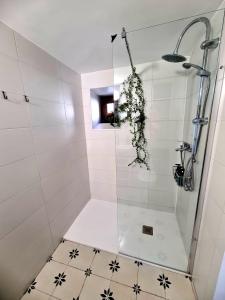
x,y
207,35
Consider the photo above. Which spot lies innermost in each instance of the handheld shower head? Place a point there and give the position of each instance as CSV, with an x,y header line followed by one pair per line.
x,y
201,71
174,58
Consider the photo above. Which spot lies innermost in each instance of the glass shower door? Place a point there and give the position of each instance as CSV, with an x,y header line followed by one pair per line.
x,y
156,216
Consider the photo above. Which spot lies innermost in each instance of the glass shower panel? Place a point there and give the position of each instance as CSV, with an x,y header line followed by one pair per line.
x,y
155,215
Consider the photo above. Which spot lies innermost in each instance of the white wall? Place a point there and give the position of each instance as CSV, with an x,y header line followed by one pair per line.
x,y
43,162
100,142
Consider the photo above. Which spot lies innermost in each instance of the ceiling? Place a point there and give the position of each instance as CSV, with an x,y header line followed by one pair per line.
x,y
77,32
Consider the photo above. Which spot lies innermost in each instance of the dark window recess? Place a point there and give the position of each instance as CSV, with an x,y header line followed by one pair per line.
x,y
106,108
147,230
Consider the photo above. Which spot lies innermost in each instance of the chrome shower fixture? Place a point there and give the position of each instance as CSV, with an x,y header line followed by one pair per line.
x,y
205,45
199,120
201,71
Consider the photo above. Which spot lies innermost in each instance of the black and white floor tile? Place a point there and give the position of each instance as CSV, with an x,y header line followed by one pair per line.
x,y
78,272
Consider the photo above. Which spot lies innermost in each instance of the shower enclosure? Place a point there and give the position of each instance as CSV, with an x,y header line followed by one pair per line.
x,y
157,212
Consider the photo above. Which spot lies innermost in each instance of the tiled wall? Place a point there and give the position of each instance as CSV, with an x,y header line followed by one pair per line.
x,y
100,142
211,244
165,92
43,164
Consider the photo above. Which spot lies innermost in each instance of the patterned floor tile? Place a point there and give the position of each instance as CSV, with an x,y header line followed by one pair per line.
x,y
81,257
35,295
50,276
79,272
122,292
96,288
125,271
148,280
101,264
180,287
62,253
71,287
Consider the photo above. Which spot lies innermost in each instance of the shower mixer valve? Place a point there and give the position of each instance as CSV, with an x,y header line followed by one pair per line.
x,y
178,169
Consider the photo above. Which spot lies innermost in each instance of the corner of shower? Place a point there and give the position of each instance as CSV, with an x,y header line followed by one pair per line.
x,y
157,208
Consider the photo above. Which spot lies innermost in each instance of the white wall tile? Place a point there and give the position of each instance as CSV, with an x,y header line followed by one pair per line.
x,y
169,88
7,45
46,113
103,191
39,84
56,182
102,176
77,150
22,267
172,110
50,162
163,69
101,162
26,204
162,200
49,138
98,147
14,178
14,112
10,79
220,146
133,194
60,201
71,93
15,144
71,115
64,219
216,187
167,130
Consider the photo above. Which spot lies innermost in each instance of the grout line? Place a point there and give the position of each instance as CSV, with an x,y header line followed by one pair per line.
x,y
43,292
87,276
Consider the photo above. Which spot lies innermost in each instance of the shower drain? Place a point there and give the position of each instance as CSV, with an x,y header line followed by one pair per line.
x,y
147,229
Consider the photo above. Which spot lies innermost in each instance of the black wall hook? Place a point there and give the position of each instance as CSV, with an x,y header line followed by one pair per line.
x,y
26,98
113,36
4,95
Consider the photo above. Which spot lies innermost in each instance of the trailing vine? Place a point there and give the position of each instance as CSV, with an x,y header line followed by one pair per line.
x,y
132,106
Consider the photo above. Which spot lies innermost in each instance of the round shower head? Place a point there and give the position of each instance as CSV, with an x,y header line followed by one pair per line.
x,y
174,58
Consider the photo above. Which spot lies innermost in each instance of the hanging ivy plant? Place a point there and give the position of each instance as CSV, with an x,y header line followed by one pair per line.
x,y
132,106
